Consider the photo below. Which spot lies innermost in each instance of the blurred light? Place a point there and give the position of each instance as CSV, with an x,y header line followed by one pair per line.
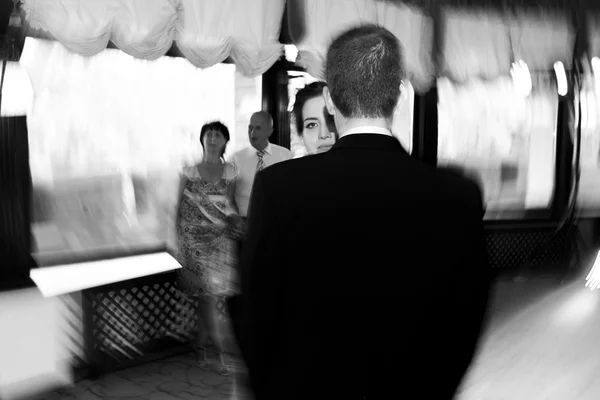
x,y
596,65
35,355
128,197
596,72
584,110
291,52
588,111
521,78
577,308
17,92
593,278
561,78
591,111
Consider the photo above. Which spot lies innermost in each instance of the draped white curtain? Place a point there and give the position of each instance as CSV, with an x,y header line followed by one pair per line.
x,y
314,23
484,45
206,31
594,34
475,45
542,39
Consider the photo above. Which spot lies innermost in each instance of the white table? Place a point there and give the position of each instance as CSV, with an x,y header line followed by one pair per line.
x,y
64,279
87,277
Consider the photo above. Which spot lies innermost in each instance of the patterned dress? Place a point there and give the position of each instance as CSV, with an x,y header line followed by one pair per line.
x,y
205,247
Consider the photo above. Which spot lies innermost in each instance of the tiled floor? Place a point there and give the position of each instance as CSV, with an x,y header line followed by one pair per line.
x,y
175,378
542,348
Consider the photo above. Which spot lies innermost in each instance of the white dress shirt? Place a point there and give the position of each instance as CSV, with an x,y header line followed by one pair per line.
x,y
246,161
367,129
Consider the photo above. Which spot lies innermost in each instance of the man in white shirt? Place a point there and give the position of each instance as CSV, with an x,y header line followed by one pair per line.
x,y
259,155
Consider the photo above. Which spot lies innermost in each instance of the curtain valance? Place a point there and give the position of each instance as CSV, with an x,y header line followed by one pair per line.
x,y
206,31
314,23
485,44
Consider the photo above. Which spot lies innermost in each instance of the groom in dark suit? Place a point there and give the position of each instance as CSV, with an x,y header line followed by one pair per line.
x,y
364,271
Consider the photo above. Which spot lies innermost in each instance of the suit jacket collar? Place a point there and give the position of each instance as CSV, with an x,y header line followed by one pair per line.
x,y
369,141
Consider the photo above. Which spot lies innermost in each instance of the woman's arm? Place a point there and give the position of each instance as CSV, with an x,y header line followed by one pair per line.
x,y
180,189
173,214
233,213
232,188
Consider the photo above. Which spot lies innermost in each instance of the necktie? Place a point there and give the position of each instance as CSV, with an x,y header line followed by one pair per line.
x,y
261,163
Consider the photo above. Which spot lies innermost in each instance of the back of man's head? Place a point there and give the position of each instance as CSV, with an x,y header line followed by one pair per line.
x,y
364,71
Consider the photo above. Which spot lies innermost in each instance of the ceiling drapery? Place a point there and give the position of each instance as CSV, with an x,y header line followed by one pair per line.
x,y
314,23
475,44
593,33
485,44
476,40
207,32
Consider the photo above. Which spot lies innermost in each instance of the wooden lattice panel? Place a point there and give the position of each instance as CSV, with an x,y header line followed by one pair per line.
x,y
128,320
511,250
73,327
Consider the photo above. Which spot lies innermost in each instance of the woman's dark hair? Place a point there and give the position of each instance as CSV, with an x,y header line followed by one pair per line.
x,y
215,126
303,95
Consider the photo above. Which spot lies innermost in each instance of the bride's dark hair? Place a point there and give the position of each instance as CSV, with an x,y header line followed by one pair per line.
x,y
303,95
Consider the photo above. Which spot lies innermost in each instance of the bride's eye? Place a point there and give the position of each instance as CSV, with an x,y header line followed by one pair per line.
x,y
311,125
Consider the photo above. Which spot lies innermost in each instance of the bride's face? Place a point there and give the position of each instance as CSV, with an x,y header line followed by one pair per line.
x,y
317,134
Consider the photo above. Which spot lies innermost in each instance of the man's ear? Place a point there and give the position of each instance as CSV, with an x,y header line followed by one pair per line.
x,y
403,96
328,101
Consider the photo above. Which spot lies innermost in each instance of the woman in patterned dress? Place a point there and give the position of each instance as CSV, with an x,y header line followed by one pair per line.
x,y
206,215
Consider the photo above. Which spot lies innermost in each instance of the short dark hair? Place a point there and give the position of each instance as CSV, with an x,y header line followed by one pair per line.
x,y
215,126
303,95
364,71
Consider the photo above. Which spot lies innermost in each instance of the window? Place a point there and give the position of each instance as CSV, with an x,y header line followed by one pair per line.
x,y
589,183
402,126
503,138
108,137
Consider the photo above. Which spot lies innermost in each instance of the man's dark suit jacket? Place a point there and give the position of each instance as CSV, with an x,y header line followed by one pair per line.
x,y
363,273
